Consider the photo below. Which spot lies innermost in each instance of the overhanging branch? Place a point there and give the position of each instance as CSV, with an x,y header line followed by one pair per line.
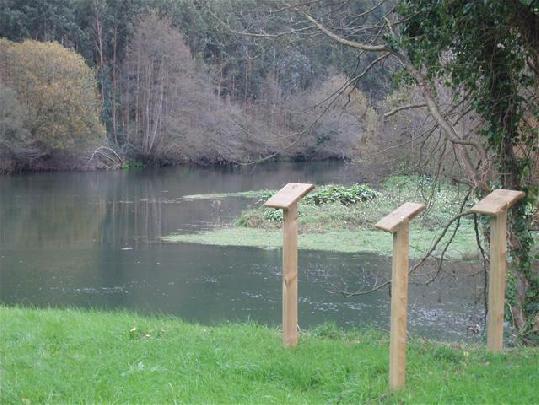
x,y
404,107
344,41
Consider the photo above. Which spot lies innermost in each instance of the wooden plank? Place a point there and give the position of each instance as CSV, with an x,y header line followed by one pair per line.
x,y
497,281
497,201
404,213
288,195
290,276
399,308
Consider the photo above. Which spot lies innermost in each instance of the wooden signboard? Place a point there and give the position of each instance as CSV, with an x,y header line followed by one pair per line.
x,y
397,223
496,205
287,199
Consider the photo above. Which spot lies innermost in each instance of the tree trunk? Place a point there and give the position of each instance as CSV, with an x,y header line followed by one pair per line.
x,y
114,89
512,178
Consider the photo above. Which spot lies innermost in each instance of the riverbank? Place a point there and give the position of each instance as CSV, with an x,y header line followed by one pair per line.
x,y
342,218
59,356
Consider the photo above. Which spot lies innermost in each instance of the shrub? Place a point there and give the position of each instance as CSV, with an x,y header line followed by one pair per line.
x,y
57,92
346,195
273,215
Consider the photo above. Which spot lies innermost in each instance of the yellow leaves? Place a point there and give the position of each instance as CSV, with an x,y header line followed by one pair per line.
x,y
58,89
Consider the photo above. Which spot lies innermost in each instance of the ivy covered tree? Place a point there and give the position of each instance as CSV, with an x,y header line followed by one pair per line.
x,y
487,53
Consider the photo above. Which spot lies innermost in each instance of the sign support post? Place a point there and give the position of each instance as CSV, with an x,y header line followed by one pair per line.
x,y
287,199
496,205
397,223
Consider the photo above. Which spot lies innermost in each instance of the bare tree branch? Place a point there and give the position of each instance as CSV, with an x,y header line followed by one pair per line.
x,y
439,239
447,128
348,294
426,92
109,154
404,107
344,41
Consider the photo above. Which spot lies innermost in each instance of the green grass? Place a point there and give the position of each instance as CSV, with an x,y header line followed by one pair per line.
x,y
349,226
74,356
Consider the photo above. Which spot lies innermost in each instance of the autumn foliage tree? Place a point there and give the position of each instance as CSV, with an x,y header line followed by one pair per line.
x,y
57,92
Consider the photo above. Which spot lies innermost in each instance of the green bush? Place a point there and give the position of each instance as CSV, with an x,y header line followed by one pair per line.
x,y
346,195
56,93
273,215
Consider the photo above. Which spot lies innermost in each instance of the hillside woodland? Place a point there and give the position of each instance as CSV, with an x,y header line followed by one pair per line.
x,y
172,82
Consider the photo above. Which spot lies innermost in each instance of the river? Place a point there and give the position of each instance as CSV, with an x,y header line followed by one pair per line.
x,y
93,240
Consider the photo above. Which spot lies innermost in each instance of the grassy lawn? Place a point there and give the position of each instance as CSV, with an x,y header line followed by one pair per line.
x,y
74,356
349,227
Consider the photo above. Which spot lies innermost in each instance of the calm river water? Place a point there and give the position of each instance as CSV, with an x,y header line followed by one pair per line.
x,y
93,240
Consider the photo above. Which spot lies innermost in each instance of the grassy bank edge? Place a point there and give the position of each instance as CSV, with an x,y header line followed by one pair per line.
x,y
72,355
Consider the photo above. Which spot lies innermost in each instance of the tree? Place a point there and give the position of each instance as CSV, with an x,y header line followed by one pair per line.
x,y
487,53
13,135
170,112
493,56
41,20
57,92
238,64
158,75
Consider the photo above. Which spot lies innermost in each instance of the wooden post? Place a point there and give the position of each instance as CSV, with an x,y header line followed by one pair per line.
x,y
496,205
290,275
287,199
398,224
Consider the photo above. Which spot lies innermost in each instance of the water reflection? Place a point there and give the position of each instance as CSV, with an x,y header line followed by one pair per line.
x,y
92,240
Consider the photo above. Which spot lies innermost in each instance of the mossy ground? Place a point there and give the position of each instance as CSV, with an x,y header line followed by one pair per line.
x,y
350,228
74,356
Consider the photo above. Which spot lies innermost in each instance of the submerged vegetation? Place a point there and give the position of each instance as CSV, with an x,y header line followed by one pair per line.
x,y
343,241
341,218
74,356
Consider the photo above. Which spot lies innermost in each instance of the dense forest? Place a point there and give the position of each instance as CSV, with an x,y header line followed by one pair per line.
x,y
178,81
